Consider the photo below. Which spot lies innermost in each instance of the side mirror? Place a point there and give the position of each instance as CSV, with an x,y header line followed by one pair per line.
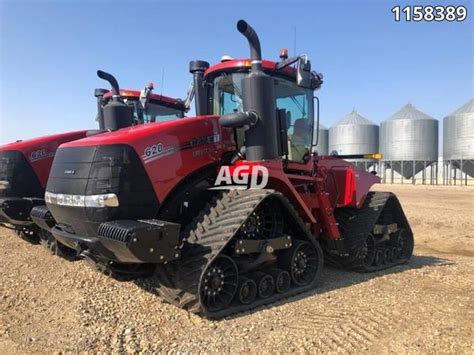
x,y
145,95
303,72
316,121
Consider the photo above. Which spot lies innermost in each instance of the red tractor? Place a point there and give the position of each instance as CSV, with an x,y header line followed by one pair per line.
x,y
25,165
173,197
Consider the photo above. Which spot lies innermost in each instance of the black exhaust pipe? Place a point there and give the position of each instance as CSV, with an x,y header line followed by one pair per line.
x,y
116,113
112,81
261,138
197,68
254,43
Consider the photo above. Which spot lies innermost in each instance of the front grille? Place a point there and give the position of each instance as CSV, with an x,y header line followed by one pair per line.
x,y
21,178
98,170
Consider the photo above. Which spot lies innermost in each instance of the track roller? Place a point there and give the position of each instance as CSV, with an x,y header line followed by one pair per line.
x,y
247,290
265,284
282,280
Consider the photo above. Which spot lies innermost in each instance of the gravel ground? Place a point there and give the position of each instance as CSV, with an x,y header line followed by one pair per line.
x,y
49,304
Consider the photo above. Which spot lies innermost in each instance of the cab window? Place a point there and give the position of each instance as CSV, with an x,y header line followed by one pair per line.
x,y
298,104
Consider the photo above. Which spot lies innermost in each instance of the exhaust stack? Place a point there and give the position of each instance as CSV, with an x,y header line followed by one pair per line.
x,y
116,113
261,138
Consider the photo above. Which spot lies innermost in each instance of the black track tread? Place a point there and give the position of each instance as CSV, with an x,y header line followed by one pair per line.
x,y
179,281
355,224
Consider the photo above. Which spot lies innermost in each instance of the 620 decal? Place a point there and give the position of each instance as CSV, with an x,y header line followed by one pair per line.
x,y
153,150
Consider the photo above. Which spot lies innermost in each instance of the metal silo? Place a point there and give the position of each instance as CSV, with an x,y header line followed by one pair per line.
x,y
409,141
458,138
323,140
354,134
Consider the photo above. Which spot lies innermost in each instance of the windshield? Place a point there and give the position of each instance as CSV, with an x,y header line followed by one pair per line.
x,y
155,112
297,101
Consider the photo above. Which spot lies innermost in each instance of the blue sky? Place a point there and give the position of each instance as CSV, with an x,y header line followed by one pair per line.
x,y
50,51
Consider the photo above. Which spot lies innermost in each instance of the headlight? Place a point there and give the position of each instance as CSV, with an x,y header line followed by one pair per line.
x,y
4,185
104,200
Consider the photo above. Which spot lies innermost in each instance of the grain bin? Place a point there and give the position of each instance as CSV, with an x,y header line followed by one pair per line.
x,y
354,134
322,147
409,141
458,138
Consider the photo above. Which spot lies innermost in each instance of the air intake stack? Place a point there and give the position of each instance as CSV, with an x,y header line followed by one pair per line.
x,y
116,113
197,68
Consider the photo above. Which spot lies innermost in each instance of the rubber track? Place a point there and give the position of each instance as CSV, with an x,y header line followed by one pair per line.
x,y
212,231
356,224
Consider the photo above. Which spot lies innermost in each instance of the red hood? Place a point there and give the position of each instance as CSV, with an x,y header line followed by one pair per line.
x,y
139,133
39,152
37,142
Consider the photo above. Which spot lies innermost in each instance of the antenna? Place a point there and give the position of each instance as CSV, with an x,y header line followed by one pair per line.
x,y
162,80
294,40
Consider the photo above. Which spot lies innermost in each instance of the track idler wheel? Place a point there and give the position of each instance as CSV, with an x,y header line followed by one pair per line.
x,y
369,250
52,245
405,244
247,291
265,284
379,257
219,283
282,280
302,261
395,254
29,235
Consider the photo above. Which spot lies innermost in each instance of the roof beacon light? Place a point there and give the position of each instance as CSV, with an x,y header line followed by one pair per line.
x,y
226,58
284,54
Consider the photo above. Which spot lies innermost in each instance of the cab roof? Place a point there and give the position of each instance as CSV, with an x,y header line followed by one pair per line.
x,y
240,64
159,99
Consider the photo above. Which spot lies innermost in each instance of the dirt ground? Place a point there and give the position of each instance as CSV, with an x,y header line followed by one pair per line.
x,y
48,304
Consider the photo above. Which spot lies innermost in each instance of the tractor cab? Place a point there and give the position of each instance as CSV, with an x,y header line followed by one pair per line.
x,y
148,107
292,96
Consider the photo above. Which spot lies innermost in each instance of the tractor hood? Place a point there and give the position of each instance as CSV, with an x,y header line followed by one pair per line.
x,y
167,151
137,167
25,165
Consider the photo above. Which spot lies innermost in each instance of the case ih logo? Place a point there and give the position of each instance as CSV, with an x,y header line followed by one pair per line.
x,y
40,154
241,176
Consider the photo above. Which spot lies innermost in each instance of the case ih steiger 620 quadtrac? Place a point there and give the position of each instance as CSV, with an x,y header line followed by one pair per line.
x,y
147,196
25,165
